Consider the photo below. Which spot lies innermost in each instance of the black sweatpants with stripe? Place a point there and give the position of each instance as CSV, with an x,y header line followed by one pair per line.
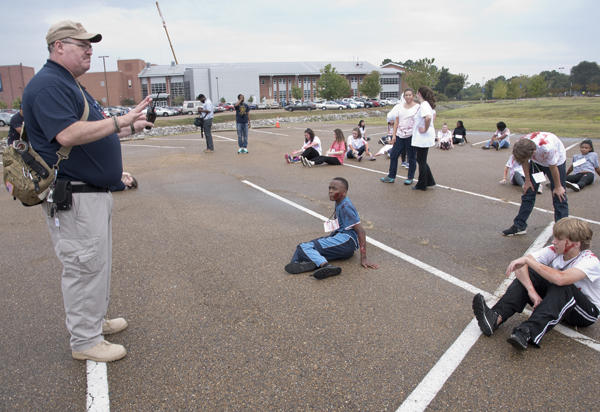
x,y
559,303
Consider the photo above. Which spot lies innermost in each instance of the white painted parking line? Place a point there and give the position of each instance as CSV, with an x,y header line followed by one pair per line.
x,y
226,138
262,131
148,145
97,387
439,374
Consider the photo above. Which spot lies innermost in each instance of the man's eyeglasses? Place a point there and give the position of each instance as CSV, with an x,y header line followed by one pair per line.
x,y
84,47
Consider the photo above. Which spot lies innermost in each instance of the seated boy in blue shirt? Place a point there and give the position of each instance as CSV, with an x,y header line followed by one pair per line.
x,y
340,244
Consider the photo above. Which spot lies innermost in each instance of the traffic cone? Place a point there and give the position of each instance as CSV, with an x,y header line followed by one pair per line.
x,y
277,123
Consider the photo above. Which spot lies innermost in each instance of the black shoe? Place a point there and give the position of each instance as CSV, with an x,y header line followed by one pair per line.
x,y
326,271
519,338
486,318
299,267
485,147
514,231
497,146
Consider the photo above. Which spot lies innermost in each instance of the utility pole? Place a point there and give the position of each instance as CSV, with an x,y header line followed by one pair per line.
x,y
105,80
166,31
560,69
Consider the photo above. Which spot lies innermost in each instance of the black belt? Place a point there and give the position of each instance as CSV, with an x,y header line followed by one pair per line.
x,y
85,188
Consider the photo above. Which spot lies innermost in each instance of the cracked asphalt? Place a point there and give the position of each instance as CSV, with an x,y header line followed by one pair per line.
x,y
215,323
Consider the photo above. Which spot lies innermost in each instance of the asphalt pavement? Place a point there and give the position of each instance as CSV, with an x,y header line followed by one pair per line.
x,y
215,323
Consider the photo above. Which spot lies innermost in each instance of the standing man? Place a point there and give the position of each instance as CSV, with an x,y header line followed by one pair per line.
x,y
208,111
16,124
548,157
60,113
242,118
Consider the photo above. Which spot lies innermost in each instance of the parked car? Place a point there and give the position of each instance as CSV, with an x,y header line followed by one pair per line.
x,y
111,112
275,105
320,104
366,102
192,106
227,106
252,106
333,106
262,106
5,119
177,110
301,106
164,111
358,104
374,102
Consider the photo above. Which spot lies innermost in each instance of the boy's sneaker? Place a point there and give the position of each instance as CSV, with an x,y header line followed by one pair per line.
x,y
244,150
573,186
288,158
326,271
408,182
540,189
381,141
387,180
241,150
359,158
519,338
102,352
300,267
486,318
514,231
405,165
304,161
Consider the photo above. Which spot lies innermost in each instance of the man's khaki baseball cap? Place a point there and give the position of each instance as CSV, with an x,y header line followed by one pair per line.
x,y
72,30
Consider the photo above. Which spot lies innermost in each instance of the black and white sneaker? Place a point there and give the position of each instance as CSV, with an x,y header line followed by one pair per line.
x,y
514,231
304,161
381,141
300,267
519,338
486,318
573,186
326,271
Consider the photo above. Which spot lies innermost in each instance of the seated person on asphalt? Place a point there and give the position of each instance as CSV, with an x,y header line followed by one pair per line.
x,y
561,282
347,236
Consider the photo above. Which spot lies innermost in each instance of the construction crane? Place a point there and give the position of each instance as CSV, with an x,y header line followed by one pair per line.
x,y
165,26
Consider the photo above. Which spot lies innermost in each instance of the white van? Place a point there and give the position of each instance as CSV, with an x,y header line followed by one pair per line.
x,y
191,107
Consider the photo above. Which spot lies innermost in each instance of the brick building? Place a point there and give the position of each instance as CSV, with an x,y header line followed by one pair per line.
x,y
122,84
13,80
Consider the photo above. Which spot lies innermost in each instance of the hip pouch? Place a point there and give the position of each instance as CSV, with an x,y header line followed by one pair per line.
x,y
62,195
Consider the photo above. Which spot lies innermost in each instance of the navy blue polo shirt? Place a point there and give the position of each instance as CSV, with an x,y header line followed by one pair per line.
x,y
52,102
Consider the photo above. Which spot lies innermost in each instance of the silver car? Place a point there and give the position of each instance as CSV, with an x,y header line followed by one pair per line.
x,y
5,119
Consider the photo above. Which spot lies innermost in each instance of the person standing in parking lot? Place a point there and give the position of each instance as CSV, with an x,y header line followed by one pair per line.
x,y
242,119
16,124
207,108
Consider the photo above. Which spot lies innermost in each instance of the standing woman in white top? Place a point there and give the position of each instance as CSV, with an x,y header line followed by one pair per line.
x,y
424,136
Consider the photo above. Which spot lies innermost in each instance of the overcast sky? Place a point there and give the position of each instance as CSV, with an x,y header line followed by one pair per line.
x,y
476,37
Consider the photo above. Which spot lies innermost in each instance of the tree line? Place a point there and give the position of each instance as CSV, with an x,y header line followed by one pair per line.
x,y
583,78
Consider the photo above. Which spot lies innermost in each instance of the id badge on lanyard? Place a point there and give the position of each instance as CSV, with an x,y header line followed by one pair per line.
x,y
331,224
538,177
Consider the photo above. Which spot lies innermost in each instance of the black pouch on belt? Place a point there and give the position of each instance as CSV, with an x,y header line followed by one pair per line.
x,y
63,194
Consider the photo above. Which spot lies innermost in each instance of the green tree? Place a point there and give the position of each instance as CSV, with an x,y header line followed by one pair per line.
x,y
500,89
332,85
128,101
386,61
222,100
3,104
443,80
473,92
16,103
585,73
422,73
371,85
296,92
488,92
455,84
537,87
177,100
513,91
250,99
592,88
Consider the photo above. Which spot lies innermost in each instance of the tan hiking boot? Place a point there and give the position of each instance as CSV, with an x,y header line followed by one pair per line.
x,y
102,352
113,326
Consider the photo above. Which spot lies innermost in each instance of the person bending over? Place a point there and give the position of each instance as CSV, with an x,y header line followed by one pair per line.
x,y
346,237
561,282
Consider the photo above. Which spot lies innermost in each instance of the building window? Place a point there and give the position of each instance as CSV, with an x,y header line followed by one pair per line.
x,y
158,88
307,80
262,81
354,92
188,91
307,94
389,95
177,89
104,100
102,83
282,95
129,83
144,91
281,81
290,81
388,80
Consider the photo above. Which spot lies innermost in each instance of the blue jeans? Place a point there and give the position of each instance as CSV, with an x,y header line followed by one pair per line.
x,y
504,144
242,131
324,249
399,147
561,208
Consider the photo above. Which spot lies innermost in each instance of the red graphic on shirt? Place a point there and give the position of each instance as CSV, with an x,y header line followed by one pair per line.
x,y
552,248
543,142
533,135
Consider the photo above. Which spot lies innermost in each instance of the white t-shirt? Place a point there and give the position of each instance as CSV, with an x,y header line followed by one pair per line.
x,y
549,151
356,143
585,261
514,167
444,137
426,139
406,119
208,106
317,147
500,133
